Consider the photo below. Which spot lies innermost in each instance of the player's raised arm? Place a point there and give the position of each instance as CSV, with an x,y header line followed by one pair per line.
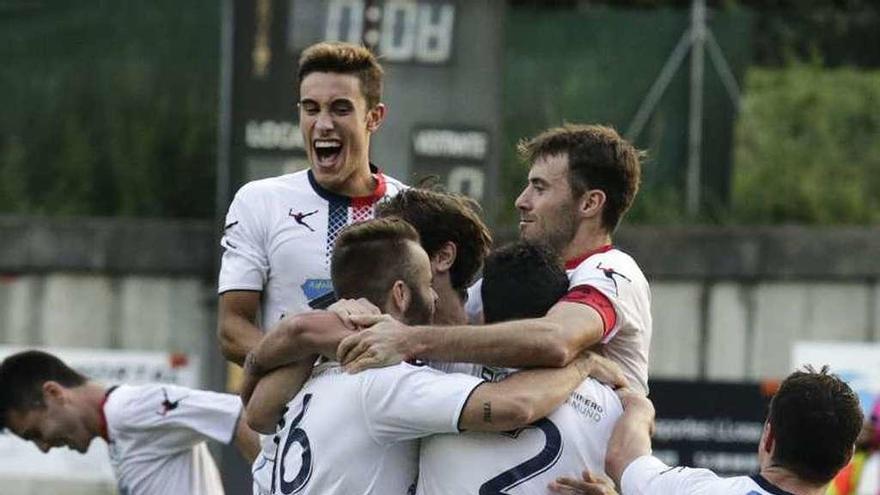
x,y
265,405
297,338
528,396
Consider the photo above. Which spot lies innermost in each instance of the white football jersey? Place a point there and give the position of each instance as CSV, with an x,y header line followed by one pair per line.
x,y
616,275
278,239
619,278
648,475
358,434
524,461
157,438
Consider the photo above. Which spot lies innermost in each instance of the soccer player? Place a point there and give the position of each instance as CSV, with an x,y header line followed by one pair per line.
x,y
582,180
279,232
522,280
156,433
455,238
809,435
348,434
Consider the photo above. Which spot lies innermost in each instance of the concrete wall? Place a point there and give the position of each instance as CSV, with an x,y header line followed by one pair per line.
x,y
728,302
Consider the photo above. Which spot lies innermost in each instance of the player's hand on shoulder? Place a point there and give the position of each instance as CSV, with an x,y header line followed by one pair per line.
x,y
382,344
590,484
602,369
346,308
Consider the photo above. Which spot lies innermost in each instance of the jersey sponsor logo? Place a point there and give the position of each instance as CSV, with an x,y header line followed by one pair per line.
x,y
586,407
169,405
610,274
300,218
314,288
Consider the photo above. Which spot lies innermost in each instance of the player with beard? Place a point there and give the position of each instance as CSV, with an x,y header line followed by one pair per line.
x,y
346,434
583,178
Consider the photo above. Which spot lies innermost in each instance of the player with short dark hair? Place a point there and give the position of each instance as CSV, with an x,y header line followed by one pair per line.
x,y
808,437
521,280
156,432
455,238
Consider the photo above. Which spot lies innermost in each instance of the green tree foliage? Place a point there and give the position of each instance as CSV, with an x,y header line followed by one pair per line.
x,y
109,108
808,147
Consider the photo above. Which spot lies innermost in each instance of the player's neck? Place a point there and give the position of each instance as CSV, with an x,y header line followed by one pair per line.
x,y
586,239
92,394
789,482
360,183
450,308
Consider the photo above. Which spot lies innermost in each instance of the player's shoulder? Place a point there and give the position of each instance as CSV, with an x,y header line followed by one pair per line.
x,y
392,186
284,184
613,261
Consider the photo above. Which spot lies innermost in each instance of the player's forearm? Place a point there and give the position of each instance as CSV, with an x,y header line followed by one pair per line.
x,y
297,338
630,440
238,337
273,392
525,343
522,398
246,440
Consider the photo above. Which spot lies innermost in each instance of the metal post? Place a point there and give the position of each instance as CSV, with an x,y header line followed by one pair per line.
x,y
695,120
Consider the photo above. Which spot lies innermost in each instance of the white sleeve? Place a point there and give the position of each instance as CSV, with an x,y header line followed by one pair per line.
x,y
611,287
245,262
404,402
649,475
193,414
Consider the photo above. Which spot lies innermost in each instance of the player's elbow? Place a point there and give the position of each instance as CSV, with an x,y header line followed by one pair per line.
x,y
557,352
260,420
228,344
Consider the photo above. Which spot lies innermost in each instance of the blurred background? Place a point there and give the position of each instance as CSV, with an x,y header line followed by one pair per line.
x,y
127,126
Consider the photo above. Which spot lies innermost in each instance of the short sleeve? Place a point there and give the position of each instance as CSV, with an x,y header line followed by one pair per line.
x,y
611,284
405,402
648,475
245,262
193,414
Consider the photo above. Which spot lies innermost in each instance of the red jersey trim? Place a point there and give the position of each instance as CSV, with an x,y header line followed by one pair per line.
x,y
102,417
594,298
381,187
574,262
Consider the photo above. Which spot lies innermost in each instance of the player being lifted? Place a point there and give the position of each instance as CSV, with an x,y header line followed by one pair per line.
x,y
583,178
279,232
347,433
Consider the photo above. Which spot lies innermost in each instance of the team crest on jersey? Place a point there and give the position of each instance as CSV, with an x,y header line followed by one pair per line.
x,y
610,273
314,288
169,405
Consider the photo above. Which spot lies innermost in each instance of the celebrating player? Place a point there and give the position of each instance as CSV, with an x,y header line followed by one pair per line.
x,y
455,238
156,433
582,181
279,232
809,436
522,280
365,424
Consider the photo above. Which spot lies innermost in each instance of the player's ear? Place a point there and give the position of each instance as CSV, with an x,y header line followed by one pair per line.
x,y
400,298
592,202
52,392
444,258
769,438
375,117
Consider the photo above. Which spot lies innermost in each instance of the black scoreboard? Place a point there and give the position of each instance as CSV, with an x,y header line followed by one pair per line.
x,y
443,64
